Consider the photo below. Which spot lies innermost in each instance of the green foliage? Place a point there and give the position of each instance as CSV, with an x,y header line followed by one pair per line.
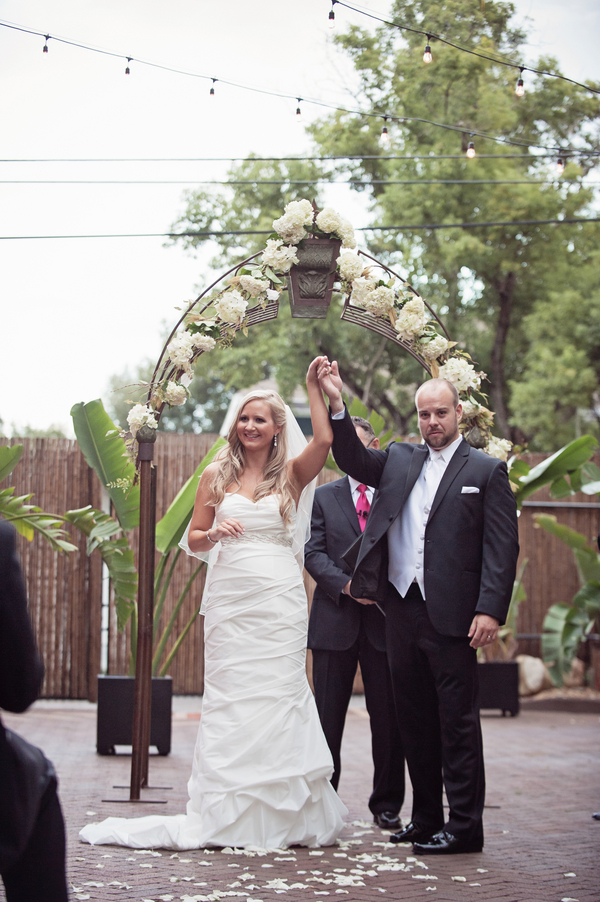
x,y
566,626
103,534
105,452
482,281
28,519
572,461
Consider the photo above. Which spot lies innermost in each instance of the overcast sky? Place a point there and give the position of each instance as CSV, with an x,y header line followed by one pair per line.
x,y
76,311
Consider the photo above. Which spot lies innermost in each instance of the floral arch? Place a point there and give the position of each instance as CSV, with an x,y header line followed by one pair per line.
x,y
308,254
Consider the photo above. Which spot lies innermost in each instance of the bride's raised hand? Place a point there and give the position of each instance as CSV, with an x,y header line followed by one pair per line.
x,y
331,383
312,376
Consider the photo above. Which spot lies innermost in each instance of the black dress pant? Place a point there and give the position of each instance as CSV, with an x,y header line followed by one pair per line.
x,y
436,693
333,677
39,875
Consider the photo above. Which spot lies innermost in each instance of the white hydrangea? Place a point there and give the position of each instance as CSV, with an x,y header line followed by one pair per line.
x,y
329,220
350,266
379,301
231,307
181,349
461,374
175,394
432,349
346,233
272,294
360,289
470,409
498,447
291,226
141,415
410,321
253,286
279,256
204,342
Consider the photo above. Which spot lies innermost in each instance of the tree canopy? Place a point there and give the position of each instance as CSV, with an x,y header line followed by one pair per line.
x,y
522,297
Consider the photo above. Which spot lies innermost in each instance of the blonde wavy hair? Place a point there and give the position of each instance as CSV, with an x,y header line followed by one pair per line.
x,y
275,479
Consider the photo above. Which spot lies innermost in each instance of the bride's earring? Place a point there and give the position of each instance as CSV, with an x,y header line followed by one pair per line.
x,y
275,440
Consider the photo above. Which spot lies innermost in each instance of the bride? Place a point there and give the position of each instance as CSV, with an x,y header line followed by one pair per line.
x,y
261,768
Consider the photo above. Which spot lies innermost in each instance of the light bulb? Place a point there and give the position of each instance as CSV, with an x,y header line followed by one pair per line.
x,y
384,138
427,57
560,166
520,89
331,18
212,88
471,150
45,50
298,112
127,66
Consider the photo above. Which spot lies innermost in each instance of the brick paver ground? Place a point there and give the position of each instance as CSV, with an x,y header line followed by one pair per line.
x,y
542,845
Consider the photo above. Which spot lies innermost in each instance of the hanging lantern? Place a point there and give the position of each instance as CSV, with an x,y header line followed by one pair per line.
x,y
311,280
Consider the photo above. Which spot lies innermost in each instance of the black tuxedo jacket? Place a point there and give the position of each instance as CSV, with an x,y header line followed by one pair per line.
x,y
471,538
335,619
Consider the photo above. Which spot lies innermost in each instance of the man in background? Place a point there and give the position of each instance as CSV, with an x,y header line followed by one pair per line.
x,y
343,632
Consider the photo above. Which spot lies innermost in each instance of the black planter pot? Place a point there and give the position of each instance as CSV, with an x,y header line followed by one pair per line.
x,y
115,713
499,686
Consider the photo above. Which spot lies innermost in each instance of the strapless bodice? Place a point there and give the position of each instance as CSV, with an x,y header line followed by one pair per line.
x,y
261,520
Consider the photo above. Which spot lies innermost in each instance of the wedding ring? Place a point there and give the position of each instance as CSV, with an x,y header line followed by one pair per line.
x,y
489,637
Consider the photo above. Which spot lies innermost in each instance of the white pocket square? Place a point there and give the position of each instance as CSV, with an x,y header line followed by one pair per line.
x,y
469,490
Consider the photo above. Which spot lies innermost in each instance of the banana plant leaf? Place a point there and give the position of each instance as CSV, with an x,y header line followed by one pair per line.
x,y
104,450
552,470
564,628
100,528
29,520
171,527
9,458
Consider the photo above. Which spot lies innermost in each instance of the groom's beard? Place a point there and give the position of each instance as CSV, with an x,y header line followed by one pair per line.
x,y
441,438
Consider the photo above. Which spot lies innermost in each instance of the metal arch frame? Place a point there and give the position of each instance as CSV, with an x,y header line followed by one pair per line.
x,y
256,315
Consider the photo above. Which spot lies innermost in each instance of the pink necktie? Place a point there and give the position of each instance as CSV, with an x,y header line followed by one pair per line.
x,y
363,506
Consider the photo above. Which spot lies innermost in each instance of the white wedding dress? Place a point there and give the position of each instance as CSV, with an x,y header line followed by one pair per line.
x,y
261,768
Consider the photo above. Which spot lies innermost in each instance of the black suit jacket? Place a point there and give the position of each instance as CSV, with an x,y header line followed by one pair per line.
x,y
335,619
471,538
21,673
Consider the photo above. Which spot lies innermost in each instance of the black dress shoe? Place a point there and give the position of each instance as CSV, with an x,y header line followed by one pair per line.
x,y
387,820
412,833
444,843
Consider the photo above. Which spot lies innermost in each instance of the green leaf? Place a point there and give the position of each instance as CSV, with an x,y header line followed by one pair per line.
x,y
358,409
29,520
104,450
591,488
588,563
564,628
518,468
377,422
9,458
568,459
560,488
116,554
588,600
171,527
567,535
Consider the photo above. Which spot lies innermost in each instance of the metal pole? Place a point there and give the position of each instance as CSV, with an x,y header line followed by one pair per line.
x,y
143,668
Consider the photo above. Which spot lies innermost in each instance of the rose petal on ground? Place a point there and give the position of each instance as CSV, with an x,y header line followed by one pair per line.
x,y
459,879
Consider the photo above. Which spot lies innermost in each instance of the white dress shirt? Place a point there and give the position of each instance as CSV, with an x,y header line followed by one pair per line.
x,y
354,484
406,535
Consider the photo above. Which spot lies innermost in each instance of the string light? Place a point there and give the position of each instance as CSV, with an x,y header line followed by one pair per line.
x,y
212,88
129,58
298,110
471,149
45,50
427,57
384,139
560,166
520,89
332,15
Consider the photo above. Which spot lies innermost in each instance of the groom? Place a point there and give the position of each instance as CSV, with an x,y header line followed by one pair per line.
x,y
439,551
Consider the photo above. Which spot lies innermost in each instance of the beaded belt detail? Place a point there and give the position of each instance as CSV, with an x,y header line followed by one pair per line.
x,y
285,541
